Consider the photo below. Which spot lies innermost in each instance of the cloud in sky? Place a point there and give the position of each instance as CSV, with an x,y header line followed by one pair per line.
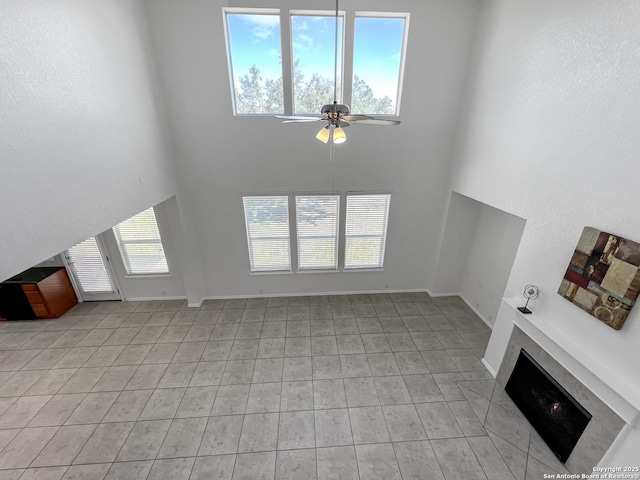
x,y
305,38
262,26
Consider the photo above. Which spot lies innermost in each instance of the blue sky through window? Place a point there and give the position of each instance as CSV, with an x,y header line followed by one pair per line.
x,y
254,39
377,54
313,38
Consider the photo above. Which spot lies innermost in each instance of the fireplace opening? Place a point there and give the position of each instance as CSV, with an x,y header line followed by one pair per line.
x,y
551,410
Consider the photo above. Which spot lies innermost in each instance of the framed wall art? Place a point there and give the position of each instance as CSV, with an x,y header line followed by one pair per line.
x,y
603,277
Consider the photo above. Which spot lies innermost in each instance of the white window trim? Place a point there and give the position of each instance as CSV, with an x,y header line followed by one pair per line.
x,y
403,56
376,268
345,94
339,219
249,11
248,239
125,260
286,52
341,234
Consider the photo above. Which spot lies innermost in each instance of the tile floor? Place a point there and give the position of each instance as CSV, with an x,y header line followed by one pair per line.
x,y
384,386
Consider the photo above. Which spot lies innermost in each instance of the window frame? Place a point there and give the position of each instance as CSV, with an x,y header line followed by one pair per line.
x,y
268,271
341,233
382,253
403,54
124,255
286,53
335,267
340,94
252,11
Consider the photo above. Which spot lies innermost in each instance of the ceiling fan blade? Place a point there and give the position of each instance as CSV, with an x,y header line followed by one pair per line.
x,y
356,117
301,120
376,121
296,117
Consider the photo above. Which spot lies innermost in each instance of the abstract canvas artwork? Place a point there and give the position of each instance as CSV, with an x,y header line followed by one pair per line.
x,y
603,277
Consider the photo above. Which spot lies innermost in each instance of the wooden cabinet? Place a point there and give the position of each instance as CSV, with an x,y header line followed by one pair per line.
x,y
40,292
51,297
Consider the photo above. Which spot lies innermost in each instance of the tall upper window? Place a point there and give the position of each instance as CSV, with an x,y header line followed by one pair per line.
x,y
377,64
298,78
267,223
253,41
366,231
313,46
317,230
140,245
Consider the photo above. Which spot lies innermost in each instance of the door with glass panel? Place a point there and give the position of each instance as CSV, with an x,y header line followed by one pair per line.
x,y
91,272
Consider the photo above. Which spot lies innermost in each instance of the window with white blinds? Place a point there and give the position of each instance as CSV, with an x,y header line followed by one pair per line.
x,y
317,231
366,230
90,271
267,222
140,245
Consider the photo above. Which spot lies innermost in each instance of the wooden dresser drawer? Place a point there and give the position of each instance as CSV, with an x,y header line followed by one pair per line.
x,y
40,310
34,297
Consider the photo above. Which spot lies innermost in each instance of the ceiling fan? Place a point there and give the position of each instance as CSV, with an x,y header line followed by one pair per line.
x,y
336,115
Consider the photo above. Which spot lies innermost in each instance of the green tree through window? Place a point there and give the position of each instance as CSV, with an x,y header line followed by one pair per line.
x,y
257,95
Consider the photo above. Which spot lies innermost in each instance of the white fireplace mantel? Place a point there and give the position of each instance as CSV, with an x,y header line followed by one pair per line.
x,y
586,366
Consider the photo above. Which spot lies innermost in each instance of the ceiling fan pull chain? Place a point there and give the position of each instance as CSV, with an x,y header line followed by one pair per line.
x,y
331,150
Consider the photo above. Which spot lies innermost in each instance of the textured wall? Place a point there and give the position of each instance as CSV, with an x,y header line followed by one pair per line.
x,y
222,156
83,141
551,135
493,249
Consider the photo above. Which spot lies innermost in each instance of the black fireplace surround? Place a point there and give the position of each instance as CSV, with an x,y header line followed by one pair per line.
x,y
551,410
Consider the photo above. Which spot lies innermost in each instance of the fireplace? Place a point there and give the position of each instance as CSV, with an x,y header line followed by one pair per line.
x,y
551,410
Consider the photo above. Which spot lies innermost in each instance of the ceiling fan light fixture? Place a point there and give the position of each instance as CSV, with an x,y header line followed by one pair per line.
x,y
339,136
323,134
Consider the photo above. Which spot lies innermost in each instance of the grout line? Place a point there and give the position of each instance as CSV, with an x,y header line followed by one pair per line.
x,y
194,314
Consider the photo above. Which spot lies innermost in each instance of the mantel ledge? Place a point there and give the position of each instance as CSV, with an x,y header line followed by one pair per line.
x,y
585,366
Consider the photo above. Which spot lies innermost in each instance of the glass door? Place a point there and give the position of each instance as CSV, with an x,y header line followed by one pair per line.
x,y
89,266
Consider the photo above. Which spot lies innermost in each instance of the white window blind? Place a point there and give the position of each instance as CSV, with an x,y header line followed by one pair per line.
x,y
90,271
140,245
317,229
267,222
366,230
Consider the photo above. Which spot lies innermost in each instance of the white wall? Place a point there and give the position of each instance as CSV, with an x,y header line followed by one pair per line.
x,y
83,139
479,244
222,156
495,242
551,135
457,239
133,287
55,261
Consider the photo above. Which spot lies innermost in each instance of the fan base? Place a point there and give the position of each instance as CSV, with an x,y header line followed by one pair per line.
x,y
524,310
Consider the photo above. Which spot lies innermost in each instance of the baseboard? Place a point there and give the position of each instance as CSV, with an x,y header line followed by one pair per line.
x,y
312,294
457,294
269,295
488,367
475,310
148,299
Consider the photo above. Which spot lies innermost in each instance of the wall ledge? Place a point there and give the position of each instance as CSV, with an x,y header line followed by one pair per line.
x,y
616,392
